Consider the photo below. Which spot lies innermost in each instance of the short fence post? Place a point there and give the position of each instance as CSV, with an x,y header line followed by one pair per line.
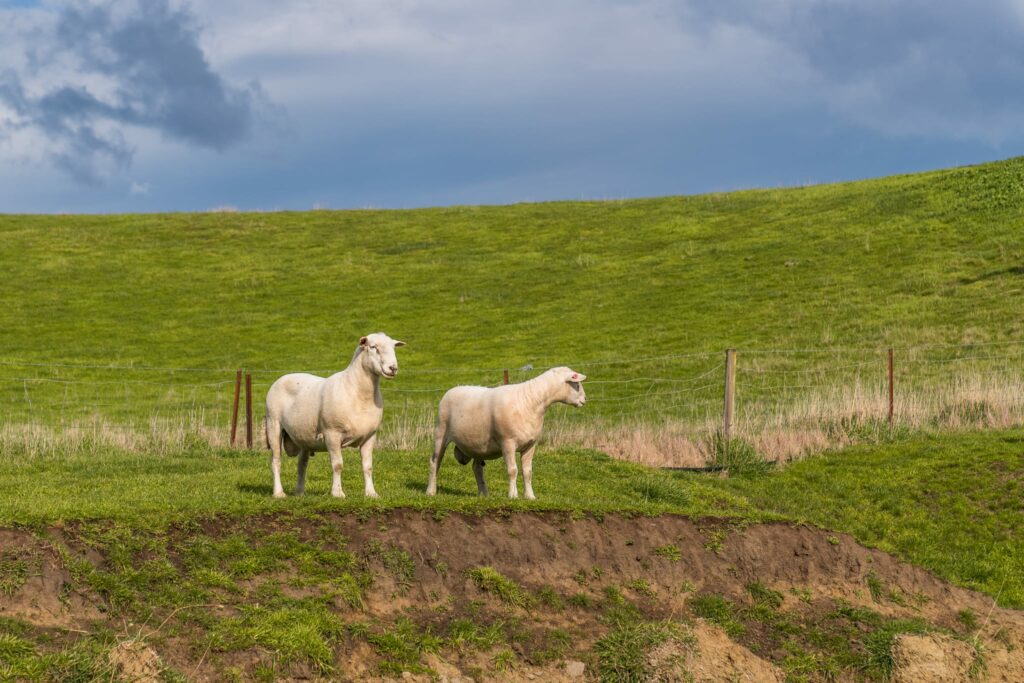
x,y
248,411
506,375
234,407
891,393
730,392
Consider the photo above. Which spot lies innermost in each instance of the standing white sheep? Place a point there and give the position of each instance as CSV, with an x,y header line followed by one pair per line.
x,y
487,423
306,413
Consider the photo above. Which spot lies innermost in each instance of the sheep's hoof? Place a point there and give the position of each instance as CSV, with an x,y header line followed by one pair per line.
x,y
530,496
279,494
338,494
372,494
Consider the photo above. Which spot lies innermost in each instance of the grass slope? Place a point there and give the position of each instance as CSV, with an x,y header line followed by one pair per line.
x,y
928,258
950,503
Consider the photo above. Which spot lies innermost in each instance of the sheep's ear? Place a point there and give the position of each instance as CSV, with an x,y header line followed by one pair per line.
x,y
576,377
399,343
362,341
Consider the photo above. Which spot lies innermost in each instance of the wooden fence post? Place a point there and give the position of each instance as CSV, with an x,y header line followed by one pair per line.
x,y
234,407
248,411
891,393
506,375
730,392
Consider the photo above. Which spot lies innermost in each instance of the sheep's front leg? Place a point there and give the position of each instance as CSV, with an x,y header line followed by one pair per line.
x,y
333,442
508,450
528,472
366,451
303,461
478,470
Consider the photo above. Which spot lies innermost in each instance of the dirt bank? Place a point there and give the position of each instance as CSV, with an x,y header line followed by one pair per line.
x,y
497,597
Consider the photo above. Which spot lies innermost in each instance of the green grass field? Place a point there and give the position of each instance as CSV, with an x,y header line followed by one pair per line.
x,y
811,284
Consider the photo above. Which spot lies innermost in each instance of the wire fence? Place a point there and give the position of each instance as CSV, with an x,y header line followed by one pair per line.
x,y
777,389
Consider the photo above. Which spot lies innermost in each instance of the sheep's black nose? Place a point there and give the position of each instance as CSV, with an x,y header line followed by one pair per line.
x,y
392,369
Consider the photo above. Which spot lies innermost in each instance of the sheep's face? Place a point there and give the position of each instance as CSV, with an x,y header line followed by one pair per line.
x,y
575,395
379,354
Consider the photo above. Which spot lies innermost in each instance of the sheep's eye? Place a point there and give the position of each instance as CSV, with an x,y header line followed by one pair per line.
x,y
575,386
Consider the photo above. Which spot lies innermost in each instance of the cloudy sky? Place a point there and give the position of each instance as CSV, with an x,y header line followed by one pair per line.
x,y
156,105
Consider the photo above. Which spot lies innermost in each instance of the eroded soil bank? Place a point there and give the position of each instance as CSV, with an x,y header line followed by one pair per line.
x,y
421,595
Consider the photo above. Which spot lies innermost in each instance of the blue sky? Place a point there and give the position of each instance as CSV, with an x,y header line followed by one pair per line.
x,y
160,105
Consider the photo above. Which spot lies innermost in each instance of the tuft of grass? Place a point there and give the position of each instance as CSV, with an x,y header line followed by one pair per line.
x,y
505,589
762,595
622,653
879,643
669,552
396,561
293,630
402,647
967,618
875,586
736,456
465,635
719,611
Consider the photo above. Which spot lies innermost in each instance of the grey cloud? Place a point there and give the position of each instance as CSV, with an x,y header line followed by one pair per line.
x,y
914,67
152,73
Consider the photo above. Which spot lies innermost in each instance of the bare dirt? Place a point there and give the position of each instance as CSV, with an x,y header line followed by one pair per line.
x,y
661,565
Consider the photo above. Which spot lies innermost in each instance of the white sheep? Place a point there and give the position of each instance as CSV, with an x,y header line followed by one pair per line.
x,y
487,423
306,413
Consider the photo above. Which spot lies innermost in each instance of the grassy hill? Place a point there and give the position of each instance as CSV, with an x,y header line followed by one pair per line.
x,y
810,284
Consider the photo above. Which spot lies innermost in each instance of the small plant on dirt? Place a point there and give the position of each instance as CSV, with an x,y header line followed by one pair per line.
x,y
441,567
14,571
504,660
832,540
402,646
762,595
508,591
967,618
875,586
716,540
642,587
669,552
395,560
581,577
293,630
688,586
804,594
581,600
622,653
551,646
549,597
879,643
718,611
464,635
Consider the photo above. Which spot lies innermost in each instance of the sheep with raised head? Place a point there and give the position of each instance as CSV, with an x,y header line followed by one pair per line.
x,y
307,414
486,423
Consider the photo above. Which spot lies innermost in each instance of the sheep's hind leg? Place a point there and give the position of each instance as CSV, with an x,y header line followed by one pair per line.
x,y
303,461
508,450
478,470
333,442
366,452
275,441
440,445
528,472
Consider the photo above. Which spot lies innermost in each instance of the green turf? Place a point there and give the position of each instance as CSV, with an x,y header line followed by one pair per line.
x,y
932,258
